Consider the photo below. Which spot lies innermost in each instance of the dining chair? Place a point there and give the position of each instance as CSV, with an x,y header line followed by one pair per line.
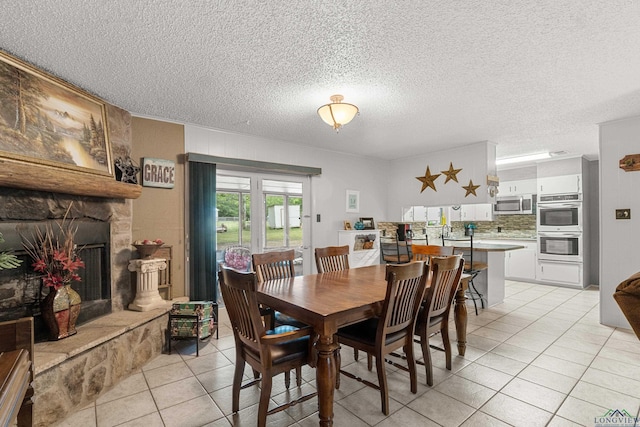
x,y
332,258
433,316
269,352
425,252
276,265
393,329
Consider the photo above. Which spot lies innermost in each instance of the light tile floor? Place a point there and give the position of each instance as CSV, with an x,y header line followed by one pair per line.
x,y
540,358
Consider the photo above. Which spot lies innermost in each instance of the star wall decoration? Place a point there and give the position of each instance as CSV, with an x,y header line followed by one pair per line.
x,y
471,189
126,170
427,180
451,173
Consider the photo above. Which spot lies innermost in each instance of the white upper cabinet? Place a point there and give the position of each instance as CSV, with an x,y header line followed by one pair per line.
x,y
479,212
563,184
517,188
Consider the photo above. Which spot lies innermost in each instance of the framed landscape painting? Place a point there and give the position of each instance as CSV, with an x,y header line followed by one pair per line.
x,y
44,120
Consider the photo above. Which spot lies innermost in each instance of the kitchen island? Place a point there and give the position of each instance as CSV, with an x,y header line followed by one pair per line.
x,y
490,283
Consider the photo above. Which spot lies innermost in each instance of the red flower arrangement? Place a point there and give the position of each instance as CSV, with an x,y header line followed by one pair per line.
x,y
54,253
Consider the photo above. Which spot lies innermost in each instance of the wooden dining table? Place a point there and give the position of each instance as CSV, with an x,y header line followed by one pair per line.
x,y
329,301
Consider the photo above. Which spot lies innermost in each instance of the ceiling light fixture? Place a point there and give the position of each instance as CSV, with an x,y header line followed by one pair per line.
x,y
525,158
337,113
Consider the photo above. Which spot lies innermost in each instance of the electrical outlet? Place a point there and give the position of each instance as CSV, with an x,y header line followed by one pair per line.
x,y
623,213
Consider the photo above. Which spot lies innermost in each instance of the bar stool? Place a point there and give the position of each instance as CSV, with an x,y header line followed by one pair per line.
x,y
474,269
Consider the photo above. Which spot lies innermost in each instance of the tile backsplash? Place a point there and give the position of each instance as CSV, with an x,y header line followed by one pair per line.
x,y
502,227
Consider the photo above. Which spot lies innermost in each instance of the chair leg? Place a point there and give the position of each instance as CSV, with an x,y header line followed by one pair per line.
x,y
382,382
298,376
263,406
411,364
287,379
369,362
355,354
237,383
444,333
426,356
256,374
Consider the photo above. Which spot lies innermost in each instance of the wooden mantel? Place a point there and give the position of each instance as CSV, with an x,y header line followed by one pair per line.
x,y
29,176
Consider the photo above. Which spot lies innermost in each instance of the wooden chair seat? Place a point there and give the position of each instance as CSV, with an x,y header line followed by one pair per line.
x,y
477,267
396,259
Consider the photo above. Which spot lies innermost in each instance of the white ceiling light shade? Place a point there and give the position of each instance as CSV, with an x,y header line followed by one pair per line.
x,y
525,158
337,113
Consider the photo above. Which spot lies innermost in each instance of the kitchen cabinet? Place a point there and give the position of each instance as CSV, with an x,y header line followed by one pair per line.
x,y
479,212
434,216
360,254
454,214
560,273
563,184
431,216
521,264
517,188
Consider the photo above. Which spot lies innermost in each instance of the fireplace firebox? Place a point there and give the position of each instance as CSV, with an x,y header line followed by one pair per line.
x,y
21,289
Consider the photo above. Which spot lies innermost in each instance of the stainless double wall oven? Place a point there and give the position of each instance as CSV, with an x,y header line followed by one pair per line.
x,y
560,227
560,239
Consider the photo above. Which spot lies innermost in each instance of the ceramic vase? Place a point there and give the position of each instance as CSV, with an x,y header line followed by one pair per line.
x,y
60,309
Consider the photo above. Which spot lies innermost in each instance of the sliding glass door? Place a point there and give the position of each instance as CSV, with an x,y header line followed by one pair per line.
x,y
259,213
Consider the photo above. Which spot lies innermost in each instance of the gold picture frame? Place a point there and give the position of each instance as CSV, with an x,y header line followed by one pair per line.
x,y
347,225
45,120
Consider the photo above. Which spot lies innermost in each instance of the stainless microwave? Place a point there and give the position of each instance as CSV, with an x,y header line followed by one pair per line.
x,y
514,205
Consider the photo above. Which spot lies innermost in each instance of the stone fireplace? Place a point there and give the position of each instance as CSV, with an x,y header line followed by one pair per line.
x,y
75,371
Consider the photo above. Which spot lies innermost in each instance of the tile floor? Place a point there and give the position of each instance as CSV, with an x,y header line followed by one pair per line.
x,y
540,358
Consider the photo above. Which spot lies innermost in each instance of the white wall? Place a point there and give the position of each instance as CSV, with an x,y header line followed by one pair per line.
x,y
619,239
340,172
476,161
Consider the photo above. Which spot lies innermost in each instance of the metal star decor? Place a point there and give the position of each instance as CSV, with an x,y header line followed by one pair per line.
x,y
471,189
127,170
451,173
427,180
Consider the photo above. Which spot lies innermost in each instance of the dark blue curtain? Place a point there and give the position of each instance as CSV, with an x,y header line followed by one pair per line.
x,y
202,231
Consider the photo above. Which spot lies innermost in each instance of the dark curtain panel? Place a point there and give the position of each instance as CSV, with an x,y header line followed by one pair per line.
x,y
202,231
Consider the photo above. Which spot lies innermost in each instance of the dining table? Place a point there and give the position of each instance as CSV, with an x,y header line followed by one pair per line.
x,y
328,301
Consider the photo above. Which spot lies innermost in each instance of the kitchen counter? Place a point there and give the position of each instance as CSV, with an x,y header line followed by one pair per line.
x,y
490,283
483,247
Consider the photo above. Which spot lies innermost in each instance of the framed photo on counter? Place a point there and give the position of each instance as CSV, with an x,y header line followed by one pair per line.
x,y
368,223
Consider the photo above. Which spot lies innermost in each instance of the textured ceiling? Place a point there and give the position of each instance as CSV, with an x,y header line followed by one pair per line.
x,y
427,75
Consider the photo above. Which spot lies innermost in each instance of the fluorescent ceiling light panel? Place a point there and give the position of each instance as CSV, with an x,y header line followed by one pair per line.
x,y
520,159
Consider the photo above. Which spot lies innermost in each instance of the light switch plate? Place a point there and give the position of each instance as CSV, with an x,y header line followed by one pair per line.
x,y
623,213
